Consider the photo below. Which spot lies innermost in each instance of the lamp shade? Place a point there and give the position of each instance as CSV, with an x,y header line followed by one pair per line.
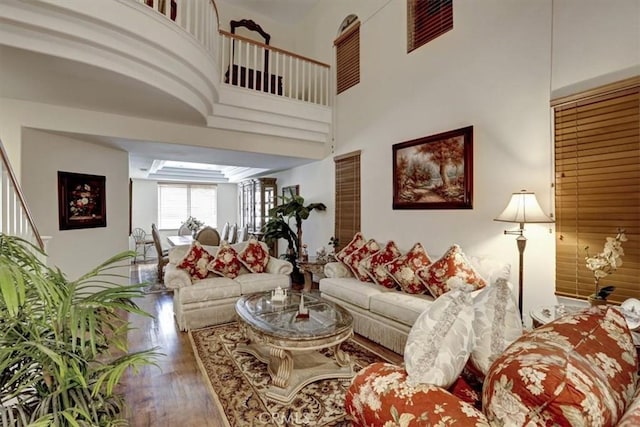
x,y
523,208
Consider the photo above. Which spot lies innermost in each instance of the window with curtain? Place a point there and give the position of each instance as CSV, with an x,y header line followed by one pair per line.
x,y
426,20
347,197
178,201
348,54
597,167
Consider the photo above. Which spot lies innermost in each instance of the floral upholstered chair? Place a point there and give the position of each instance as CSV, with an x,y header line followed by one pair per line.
x,y
580,370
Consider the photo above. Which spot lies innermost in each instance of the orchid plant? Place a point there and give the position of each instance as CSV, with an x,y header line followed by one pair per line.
x,y
606,262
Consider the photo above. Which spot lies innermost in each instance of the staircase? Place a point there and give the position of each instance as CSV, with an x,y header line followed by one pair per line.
x,y
15,218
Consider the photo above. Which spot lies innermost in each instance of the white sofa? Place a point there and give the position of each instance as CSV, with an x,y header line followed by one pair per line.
x,y
211,301
386,315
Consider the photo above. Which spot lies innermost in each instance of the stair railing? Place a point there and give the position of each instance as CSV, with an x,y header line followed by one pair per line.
x,y
15,217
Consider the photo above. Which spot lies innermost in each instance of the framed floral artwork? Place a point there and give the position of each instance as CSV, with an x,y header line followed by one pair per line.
x,y
434,172
81,201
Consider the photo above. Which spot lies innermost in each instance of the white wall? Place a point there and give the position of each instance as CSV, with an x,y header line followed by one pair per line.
x,y
75,251
594,42
492,71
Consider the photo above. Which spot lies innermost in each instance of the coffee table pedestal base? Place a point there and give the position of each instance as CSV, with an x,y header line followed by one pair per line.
x,y
310,366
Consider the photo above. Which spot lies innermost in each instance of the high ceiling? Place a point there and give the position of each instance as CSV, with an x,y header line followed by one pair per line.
x,y
36,77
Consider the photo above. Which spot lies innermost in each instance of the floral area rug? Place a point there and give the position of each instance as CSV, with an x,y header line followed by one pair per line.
x,y
147,274
238,383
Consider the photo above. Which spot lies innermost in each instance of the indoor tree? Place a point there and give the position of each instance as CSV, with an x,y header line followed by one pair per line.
x,y
278,227
63,342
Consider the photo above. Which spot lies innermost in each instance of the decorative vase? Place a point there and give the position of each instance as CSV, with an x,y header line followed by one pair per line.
x,y
593,301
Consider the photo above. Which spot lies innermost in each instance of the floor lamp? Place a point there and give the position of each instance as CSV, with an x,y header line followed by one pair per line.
x,y
523,208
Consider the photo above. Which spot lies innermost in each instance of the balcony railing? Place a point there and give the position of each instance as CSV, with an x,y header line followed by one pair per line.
x,y
198,17
246,63
253,65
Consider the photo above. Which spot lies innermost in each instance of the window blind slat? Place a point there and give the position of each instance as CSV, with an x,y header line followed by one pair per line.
x,y
597,152
427,20
347,197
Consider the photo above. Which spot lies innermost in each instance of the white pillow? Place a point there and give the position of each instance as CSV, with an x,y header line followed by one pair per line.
x,y
441,340
497,324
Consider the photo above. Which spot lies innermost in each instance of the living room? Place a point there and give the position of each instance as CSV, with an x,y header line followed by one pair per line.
x,y
497,70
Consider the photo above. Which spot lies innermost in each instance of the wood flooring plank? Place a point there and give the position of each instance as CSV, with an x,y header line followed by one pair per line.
x,y
174,393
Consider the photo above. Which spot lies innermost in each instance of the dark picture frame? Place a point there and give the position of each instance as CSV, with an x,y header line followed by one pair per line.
x,y
81,200
434,172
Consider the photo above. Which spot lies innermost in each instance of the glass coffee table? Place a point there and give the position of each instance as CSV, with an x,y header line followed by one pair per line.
x,y
288,343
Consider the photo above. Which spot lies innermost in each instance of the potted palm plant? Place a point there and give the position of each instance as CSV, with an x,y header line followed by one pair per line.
x,y
58,340
277,227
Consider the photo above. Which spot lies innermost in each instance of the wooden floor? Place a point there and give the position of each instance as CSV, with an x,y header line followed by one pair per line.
x,y
174,394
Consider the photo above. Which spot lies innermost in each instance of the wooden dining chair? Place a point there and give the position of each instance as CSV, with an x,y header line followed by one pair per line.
x,y
184,231
163,254
208,236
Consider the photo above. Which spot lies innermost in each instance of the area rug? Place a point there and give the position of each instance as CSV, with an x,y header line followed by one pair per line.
x,y
238,383
147,274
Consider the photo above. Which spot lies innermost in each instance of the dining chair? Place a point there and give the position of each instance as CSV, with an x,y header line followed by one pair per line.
x,y
208,236
141,240
163,254
243,234
184,231
233,234
224,235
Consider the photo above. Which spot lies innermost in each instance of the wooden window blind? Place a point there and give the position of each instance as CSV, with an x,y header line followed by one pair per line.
x,y
347,197
348,58
597,167
427,20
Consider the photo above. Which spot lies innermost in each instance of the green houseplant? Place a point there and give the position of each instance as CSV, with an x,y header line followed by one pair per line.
x,y
278,227
62,343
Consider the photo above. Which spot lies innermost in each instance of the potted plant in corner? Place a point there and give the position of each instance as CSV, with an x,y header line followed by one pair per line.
x,y
277,227
58,340
604,264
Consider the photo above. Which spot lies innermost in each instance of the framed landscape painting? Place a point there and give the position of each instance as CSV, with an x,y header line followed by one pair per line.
x,y
81,201
434,172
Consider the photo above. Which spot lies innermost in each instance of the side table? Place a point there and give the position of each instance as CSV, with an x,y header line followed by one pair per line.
x,y
309,268
544,314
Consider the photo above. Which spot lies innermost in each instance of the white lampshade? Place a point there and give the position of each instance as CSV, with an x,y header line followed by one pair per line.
x,y
523,208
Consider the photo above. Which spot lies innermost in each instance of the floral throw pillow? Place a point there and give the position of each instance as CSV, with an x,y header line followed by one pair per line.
x,y
195,261
375,265
355,260
403,269
355,243
226,262
440,341
452,264
254,256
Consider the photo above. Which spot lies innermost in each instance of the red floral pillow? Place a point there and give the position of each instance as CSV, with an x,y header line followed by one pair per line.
x,y
195,261
355,260
452,264
403,269
375,265
226,262
354,244
254,257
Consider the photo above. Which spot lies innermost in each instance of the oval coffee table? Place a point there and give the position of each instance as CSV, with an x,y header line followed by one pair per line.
x,y
275,335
